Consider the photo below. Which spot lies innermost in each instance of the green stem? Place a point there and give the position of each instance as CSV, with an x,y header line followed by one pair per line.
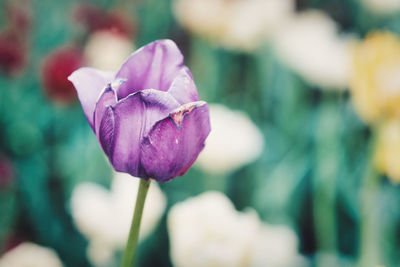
x,y
370,254
325,176
129,254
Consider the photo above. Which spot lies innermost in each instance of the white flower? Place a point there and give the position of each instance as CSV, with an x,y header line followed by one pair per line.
x,y
104,217
207,231
277,245
310,45
30,255
233,141
235,24
252,21
106,50
382,7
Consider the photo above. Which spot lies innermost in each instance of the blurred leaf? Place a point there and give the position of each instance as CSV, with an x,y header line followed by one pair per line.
x,y
8,211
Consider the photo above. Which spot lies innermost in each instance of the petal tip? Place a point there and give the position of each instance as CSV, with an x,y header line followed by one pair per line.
x,y
166,42
72,76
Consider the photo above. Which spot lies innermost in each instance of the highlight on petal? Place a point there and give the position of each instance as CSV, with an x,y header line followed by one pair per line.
x,y
183,88
152,66
89,83
125,123
174,143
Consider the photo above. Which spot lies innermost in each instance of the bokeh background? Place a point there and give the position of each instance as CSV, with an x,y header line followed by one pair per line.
x,y
302,165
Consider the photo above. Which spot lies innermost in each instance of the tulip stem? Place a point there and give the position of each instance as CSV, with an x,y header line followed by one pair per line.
x,y
129,254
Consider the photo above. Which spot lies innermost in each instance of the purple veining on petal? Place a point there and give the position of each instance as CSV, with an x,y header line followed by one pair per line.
x,y
183,88
153,66
106,99
174,143
106,132
89,83
132,118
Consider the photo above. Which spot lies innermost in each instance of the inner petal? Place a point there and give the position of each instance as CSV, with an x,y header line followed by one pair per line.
x,y
152,66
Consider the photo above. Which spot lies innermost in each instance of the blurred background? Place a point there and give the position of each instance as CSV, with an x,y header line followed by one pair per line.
x,y
301,167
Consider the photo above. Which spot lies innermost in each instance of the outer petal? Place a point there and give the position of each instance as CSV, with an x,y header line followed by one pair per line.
x,y
124,124
89,83
183,88
174,143
107,98
152,66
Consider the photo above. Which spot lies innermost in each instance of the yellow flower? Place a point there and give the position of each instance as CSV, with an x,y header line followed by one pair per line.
x,y
387,150
375,79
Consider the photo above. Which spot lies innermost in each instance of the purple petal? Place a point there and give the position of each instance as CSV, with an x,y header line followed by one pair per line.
x,y
106,99
183,88
89,83
174,143
105,133
153,66
124,124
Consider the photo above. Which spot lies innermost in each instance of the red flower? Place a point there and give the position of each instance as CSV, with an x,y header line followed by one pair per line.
x,y
95,19
13,53
14,37
57,66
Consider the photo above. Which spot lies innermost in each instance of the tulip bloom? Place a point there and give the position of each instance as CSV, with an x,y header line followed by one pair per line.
x,y
147,116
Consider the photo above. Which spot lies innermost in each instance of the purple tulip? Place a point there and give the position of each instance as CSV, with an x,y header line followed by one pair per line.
x,y
147,116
